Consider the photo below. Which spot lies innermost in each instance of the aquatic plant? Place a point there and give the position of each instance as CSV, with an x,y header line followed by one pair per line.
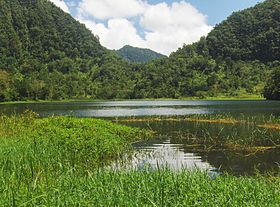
x,y
221,131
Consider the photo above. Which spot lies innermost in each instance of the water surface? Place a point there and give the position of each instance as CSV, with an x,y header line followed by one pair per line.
x,y
169,146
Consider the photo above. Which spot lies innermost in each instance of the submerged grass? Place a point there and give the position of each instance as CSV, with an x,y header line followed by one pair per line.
x,y
215,132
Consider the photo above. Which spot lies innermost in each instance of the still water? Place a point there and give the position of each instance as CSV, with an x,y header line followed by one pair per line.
x,y
169,147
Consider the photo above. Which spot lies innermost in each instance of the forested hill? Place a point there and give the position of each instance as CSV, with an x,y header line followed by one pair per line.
x,y
47,54
249,35
236,58
38,30
138,55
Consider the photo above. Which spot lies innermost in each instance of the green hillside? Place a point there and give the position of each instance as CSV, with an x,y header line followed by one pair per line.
x,y
46,54
235,59
138,55
252,34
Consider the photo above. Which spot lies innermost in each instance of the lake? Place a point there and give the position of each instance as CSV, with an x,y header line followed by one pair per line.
x,y
169,148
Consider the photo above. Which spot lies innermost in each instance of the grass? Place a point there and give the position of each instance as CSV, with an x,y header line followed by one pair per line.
x,y
68,139
147,188
225,97
216,132
205,118
60,161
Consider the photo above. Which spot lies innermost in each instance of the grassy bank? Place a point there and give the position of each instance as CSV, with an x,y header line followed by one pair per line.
x,y
70,141
37,153
58,161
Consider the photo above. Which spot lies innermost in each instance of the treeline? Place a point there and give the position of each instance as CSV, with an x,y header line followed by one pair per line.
x,y
46,54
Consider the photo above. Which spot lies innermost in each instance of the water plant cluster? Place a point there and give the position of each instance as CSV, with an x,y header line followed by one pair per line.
x,y
221,131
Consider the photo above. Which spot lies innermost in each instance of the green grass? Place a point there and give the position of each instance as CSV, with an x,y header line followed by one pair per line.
x,y
60,161
143,188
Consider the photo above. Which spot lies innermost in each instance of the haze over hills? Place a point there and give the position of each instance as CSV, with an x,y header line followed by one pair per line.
x,y
47,54
138,55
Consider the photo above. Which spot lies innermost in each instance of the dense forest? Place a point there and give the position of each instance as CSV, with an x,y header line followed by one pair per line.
x,y
46,54
138,55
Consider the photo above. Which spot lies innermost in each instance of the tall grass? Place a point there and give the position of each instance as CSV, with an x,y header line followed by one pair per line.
x,y
58,161
145,188
37,152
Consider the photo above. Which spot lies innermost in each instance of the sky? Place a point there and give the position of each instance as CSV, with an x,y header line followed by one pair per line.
x,y
160,25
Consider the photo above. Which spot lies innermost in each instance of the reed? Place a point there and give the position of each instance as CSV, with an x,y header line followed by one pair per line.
x,y
223,131
160,187
61,161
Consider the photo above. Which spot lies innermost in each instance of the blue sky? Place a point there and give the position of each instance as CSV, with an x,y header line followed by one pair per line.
x,y
217,10
160,25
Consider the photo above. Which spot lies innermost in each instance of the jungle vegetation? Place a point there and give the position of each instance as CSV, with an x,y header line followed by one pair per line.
x,y
46,54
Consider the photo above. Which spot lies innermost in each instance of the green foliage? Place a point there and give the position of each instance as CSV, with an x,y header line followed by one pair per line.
x,y
272,88
251,34
138,55
85,141
47,55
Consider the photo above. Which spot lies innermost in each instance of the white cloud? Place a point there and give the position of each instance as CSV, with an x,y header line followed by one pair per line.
x,y
61,4
107,9
169,27
166,27
118,33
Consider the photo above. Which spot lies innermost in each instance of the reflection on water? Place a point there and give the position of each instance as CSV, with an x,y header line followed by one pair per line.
x,y
170,148
157,153
145,108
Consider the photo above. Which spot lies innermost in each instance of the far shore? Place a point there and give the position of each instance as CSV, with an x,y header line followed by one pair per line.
x,y
216,98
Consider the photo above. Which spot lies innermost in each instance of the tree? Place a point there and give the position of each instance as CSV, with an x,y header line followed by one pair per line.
x,y
272,88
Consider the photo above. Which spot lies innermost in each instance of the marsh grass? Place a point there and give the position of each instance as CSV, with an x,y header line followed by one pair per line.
x,y
223,131
59,161
35,152
160,187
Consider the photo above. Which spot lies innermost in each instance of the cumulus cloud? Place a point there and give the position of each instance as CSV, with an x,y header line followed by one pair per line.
x,y
61,4
106,9
165,27
118,33
169,27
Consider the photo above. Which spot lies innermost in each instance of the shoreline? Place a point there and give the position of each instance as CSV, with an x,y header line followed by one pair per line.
x,y
216,98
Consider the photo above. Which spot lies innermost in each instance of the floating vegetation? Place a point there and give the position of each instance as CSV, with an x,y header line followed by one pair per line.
x,y
217,121
220,132
270,126
193,118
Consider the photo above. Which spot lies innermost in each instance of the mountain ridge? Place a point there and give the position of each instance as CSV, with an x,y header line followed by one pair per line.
x,y
138,55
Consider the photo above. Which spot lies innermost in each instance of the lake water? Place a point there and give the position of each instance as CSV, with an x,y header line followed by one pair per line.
x,y
168,147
